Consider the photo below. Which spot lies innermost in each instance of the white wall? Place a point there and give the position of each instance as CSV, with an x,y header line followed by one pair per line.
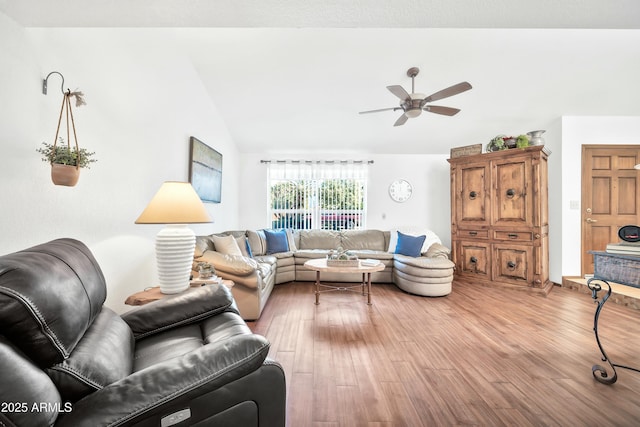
x,y
429,174
144,101
428,207
578,131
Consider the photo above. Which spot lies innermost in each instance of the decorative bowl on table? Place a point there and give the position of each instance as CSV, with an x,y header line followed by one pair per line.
x,y
342,258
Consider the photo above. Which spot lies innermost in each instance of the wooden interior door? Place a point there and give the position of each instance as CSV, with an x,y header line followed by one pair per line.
x,y
610,195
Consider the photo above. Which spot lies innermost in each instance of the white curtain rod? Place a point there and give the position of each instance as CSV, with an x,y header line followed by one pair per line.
x,y
369,162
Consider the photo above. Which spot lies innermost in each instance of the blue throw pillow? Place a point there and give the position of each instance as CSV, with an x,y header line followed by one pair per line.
x,y
248,246
409,245
276,241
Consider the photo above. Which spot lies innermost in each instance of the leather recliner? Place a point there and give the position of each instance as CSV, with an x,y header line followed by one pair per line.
x,y
66,360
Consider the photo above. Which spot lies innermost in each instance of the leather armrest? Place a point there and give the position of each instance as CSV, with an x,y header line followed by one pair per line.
x,y
181,309
156,391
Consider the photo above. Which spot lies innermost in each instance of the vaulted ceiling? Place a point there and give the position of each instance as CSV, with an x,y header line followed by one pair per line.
x,y
291,76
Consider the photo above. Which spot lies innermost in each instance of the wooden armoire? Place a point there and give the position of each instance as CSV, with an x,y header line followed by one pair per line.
x,y
500,219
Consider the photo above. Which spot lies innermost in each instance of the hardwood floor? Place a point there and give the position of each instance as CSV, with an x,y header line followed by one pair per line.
x,y
478,357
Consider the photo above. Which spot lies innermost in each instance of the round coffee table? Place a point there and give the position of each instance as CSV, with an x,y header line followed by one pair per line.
x,y
320,264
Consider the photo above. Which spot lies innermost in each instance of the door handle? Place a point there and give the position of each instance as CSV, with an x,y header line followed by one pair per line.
x,y
589,220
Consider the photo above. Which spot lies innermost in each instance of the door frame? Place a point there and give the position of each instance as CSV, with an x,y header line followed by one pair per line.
x,y
586,177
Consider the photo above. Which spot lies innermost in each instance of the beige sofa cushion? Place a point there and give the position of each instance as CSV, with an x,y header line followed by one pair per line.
x,y
373,240
257,242
203,244
235,264
319,239
226,245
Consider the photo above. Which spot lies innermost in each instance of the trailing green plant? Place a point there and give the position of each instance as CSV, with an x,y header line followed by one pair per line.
x,y
62,154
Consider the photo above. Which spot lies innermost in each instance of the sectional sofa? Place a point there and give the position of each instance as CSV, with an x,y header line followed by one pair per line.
x,y
256,260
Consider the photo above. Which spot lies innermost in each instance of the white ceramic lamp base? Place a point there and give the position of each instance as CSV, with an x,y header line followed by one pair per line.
x,y
175,246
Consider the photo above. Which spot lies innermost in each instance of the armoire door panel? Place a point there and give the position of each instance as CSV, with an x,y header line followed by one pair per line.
x,y
511,201
473,194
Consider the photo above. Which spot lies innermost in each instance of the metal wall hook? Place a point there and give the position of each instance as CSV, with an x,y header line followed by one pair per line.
x,y
44,82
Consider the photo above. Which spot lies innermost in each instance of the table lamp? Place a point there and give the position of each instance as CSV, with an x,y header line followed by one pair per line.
x,y
175,204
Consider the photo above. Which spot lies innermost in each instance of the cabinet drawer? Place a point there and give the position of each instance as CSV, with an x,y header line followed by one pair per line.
x,y
518,236
513,264
474,258
473,234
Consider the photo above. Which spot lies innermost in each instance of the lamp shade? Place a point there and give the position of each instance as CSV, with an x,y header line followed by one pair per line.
x,y
174,203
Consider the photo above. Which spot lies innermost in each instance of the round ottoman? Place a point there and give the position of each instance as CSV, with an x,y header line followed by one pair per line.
x,y
425,276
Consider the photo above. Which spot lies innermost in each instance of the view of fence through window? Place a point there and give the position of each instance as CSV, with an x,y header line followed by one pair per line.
x,y
317,195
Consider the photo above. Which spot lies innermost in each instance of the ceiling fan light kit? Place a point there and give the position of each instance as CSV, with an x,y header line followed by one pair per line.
x,y
412,104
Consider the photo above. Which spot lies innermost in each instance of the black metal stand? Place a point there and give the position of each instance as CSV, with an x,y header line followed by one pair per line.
x,y
600,372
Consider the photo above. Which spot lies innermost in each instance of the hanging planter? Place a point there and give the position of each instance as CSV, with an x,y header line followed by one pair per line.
x,y
64,174
65,159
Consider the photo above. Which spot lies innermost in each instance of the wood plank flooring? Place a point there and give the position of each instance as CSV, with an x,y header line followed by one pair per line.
x,y
478,357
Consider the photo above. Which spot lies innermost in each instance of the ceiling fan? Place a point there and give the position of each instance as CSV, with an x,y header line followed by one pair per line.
x,y
413,104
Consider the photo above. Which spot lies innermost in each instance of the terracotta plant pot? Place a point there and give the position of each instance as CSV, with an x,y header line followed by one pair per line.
x,y
64,174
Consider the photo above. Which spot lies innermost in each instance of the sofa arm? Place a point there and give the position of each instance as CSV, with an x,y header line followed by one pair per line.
x,y
188,307
233,264
406,263
437,250
154,392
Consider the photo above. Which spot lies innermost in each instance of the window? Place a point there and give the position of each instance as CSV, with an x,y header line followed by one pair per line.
x,y
317,195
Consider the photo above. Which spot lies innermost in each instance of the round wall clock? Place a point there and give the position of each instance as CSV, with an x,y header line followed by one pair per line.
x,y
400,190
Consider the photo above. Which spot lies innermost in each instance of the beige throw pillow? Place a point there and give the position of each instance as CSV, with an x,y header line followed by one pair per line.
x,y
226,245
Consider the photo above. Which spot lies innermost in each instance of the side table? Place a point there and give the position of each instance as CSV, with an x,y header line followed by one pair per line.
x,y
617,268
153,294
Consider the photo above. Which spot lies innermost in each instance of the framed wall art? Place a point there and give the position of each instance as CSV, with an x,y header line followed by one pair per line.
x,y
205,171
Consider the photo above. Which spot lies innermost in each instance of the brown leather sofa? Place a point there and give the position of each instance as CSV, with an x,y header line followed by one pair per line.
x,y
66,360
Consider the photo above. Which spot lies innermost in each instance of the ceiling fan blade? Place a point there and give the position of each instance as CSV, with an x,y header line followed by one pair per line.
x,y
447,111
382,109
399,92
401,120
445,93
